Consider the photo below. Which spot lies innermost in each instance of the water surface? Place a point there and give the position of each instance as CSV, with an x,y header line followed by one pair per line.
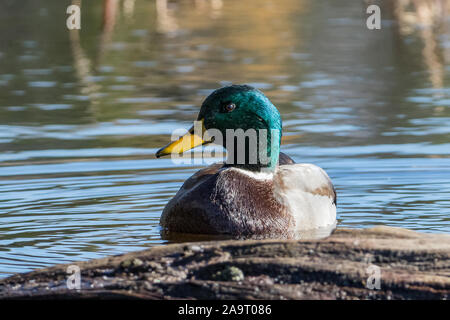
x,y
82,113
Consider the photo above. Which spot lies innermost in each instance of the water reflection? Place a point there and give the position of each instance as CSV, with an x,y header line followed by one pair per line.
x,y
429,19
177,237
82,112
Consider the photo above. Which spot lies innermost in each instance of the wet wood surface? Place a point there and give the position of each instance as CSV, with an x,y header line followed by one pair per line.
x,y
345,265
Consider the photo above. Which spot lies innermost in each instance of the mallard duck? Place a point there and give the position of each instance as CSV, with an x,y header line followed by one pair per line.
x,y
275,198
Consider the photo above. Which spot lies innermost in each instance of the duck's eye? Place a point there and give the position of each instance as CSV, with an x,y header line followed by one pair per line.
x,y
229,107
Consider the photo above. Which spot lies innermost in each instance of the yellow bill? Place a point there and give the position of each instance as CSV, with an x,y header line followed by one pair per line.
x,y
190,140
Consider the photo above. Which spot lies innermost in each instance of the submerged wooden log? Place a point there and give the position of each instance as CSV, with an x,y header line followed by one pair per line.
x,y
345,265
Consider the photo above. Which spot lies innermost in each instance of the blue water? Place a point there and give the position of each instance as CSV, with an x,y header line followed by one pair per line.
x,y
82,115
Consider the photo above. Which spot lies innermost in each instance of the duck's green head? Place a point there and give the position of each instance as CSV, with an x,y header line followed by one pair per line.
x,y
248,123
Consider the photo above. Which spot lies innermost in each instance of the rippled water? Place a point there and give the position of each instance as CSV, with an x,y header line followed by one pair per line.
x,y
82,114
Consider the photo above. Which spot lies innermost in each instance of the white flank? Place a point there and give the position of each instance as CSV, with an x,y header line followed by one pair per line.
x,y
295,186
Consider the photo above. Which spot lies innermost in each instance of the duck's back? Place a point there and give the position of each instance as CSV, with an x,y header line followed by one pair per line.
x,y
227,200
